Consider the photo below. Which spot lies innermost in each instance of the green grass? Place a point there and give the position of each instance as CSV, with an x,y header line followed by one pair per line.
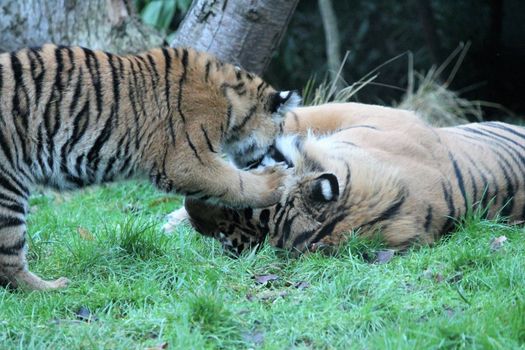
x,y
145,288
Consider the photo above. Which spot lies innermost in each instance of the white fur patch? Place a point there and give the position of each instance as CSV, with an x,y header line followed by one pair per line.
x,y
287,145
284,94
175,218
326,190
293,101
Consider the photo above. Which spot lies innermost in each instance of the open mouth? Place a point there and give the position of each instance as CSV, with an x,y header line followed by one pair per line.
x,y
272,156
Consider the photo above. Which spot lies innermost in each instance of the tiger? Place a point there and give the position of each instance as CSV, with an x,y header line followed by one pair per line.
x,y
374,172
72,117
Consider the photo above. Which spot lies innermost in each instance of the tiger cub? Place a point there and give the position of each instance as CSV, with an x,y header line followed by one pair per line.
x,y
72,117
376,171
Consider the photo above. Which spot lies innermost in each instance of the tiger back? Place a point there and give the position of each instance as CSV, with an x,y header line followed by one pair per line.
x,y
71,117
374,171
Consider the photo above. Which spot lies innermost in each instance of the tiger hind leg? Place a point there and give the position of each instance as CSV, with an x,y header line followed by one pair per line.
x,y
13,245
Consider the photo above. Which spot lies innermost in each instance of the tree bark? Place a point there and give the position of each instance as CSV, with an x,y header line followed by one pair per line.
x,y
241,32
333,43
97,24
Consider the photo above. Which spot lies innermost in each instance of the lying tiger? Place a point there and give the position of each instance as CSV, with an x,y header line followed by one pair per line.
x,y
375,170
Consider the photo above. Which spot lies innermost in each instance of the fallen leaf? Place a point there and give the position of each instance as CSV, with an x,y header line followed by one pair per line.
x,y
301,285
158,347
255,337
263,279
85,234
250,297
85,315
384,256
497,243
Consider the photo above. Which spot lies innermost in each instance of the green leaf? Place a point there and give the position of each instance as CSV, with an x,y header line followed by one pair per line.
x,y
159,13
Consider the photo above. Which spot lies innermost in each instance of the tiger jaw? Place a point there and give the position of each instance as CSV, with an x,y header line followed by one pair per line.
x,y
247,152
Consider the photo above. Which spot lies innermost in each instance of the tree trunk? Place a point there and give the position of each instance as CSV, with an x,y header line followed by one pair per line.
x,y
333,43
97,24
242,32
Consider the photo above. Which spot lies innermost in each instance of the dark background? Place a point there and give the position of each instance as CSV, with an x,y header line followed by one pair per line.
x,y
374,32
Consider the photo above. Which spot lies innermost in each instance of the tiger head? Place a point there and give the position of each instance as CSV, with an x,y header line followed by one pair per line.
x,y
255,117
297,223
309,210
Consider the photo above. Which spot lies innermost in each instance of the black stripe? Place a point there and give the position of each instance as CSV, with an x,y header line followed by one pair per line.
x,y
35,58
93,155
184,63
4,145
8,222
459,178
167,61
208,142
57,90
260,87
228,117
71,70
154,78
389,212
94,72
9,181
16,248
167,64
80,125
451,209
428,219
508,202
131,97
245,120
76,94
287,228
474,189
506,128
193,148
40,148
116,86
207,71
19,85
12,204
326,229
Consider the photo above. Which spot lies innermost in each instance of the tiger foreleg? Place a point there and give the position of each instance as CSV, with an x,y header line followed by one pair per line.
x,y
13,263
219,182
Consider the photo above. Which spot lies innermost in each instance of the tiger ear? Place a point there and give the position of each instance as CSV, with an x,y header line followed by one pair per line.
x,y
282,101
325,188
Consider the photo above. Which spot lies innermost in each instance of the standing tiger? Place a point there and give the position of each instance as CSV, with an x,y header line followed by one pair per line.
x,y
375,171
71,117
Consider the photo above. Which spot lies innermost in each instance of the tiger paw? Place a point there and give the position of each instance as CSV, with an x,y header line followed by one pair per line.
x,y
271,190
175,219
